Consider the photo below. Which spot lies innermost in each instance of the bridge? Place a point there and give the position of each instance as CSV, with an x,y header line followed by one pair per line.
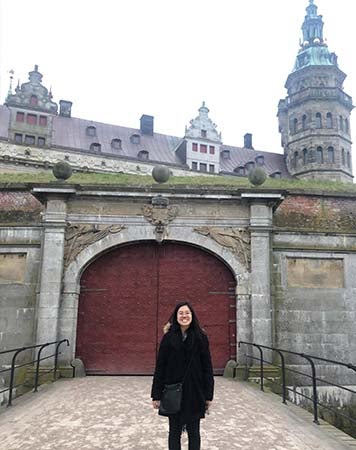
x,y
115,413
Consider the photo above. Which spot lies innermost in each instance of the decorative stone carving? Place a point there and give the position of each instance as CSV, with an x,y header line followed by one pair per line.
x,y
81,236
160,214
237,239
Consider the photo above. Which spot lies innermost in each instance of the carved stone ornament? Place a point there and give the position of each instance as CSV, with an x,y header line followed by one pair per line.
x,y
80,236
159,213
237,239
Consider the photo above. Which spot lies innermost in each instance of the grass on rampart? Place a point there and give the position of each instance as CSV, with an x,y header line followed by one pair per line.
x,y
8,179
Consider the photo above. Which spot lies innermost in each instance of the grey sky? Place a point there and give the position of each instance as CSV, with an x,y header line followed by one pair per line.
x,y
118,59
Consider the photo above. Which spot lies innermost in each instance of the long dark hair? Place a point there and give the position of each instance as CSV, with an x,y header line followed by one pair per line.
x,y
194,328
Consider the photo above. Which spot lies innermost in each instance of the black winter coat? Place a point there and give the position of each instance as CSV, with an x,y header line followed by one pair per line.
x,y
172,361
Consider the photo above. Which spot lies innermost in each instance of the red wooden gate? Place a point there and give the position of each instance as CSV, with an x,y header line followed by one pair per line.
x,y
128,294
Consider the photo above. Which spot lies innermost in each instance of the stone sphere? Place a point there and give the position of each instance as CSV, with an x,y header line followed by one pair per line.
x,y
160,174
62,170
257,176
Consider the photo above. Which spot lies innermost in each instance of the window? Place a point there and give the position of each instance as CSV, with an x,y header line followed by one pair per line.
x,y
194,165
212,149
225,154
31,119
203,167
20,117
318,123
30,140
41,141
260,160
331,156
276,174
341,120
329,120
249,166
240,170
211,168
305,156
295,125
203,133
194,147
116,144
295,160
18,138
203,148
348,160
343,156
33,100
143,155
319,155
135,139
95,147
43,121
304,122
91,131
347,128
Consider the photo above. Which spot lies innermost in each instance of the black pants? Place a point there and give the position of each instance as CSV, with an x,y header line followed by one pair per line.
x,y
175,432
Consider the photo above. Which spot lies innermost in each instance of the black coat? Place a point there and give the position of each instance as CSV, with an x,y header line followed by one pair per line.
x,y
172,361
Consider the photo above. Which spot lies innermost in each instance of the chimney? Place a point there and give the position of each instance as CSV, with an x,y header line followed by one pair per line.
x,y
65,108
146,125
248,140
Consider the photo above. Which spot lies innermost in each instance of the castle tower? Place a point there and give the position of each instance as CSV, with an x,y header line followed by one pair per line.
x,y
314,118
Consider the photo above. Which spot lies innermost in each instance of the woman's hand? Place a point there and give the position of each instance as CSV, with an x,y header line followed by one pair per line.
x,y
155,404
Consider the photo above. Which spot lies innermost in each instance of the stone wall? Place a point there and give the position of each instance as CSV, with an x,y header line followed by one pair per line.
x,y
20,253
314,282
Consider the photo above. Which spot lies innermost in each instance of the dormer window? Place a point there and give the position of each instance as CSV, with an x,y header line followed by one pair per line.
x,y
203,133
143,155
249,166
225,154
95,147
276,174
91,131
240,170
33,100
260,160
116,144
135,139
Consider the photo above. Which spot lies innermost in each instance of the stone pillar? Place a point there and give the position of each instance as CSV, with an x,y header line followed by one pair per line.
x,y
50,281
261,221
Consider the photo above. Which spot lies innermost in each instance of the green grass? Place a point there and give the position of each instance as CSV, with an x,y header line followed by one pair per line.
x,y
9,179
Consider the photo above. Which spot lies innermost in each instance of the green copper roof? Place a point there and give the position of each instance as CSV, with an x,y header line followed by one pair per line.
x,y
313,51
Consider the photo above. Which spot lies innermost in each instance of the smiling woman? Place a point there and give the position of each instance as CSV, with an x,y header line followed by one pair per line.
x,y
184,363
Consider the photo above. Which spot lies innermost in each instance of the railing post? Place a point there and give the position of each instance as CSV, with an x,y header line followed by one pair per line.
x,y
56,357
12,375
283,376
261,364
38,366
315,392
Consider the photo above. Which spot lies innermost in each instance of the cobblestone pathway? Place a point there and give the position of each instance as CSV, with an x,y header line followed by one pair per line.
x,y
115,413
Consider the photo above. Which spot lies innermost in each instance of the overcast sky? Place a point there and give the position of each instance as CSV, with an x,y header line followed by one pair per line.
x,y
119,59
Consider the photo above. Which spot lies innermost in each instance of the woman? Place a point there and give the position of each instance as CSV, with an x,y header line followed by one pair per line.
x,y
184,355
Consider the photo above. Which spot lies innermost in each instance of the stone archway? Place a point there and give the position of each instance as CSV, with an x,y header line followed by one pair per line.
x,y
71,284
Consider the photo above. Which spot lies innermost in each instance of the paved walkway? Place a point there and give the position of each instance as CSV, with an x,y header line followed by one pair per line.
x,y
114,413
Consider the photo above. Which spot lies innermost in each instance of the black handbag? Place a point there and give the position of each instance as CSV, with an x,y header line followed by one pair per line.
x,y
171,398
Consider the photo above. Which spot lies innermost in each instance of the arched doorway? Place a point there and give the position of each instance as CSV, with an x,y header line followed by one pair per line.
x,y
128,293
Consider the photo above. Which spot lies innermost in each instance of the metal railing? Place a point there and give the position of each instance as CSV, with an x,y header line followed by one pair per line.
x,y
314,379
36,361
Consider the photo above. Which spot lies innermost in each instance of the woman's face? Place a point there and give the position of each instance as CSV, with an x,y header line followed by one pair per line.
x,y
184,316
